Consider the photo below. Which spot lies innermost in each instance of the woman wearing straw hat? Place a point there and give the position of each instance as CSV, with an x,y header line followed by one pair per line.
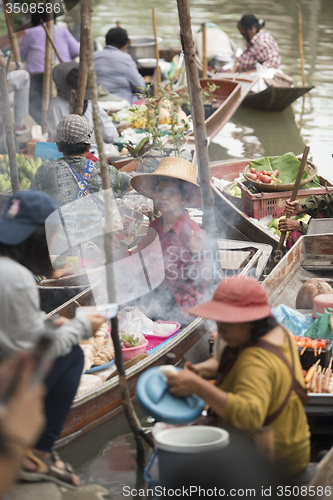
x,y
173,187
259,379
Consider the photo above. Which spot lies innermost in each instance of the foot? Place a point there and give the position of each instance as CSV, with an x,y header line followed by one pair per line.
x,y
29,465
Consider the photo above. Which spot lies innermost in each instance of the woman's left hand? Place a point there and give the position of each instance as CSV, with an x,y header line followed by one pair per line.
x,y
183,383
196,241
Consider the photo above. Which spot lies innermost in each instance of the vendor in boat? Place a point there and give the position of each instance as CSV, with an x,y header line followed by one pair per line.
x,y
173,187
23,254
318,206
115,69
260,46
60,178
258,380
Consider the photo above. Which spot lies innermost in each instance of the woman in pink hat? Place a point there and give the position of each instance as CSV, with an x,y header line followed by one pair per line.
x,y
258,380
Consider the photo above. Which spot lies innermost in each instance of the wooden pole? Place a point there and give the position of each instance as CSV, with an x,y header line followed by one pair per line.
x,y
199,128
158,71
278,251
131,416
300,40
51,40
47,79
14,47
86,9
9,129
204,51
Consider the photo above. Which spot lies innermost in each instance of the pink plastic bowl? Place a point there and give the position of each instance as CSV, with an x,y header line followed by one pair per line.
x,y
131,352
155,340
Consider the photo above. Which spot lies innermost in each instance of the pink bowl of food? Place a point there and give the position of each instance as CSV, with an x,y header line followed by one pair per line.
x,y
130,352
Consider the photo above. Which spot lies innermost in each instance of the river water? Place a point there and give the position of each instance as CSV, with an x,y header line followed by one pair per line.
x,y
248,134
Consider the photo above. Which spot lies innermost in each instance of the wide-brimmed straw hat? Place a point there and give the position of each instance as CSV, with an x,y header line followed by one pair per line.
x,y
173,168
237,299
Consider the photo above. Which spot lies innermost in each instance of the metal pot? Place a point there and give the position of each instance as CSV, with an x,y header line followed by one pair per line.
x,y
142,47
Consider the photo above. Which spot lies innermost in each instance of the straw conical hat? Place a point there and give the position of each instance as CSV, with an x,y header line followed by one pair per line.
x,y
175,168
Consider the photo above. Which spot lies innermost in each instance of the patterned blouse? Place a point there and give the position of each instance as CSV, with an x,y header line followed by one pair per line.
x,y
261,49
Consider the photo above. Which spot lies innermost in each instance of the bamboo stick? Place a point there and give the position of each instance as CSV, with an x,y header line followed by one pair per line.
x,y
204,51
51,40
300,40
9,129
14,46
278,252
201,143
83,65
47,79
131,416
158,71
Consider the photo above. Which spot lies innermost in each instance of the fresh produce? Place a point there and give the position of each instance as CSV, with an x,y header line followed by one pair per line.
x,y
234,190
274,225
129,341
265,176
309,290
27,168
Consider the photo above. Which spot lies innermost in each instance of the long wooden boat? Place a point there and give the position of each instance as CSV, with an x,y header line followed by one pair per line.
x,y
229,213
273,98
229,95
310,257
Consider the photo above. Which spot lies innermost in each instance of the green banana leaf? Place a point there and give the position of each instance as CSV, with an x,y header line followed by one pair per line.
x,y
287,165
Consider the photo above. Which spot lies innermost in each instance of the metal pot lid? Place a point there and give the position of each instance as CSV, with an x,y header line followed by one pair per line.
x,y
156,400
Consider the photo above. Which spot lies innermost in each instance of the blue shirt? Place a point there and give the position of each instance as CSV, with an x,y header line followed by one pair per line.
x,y
117,71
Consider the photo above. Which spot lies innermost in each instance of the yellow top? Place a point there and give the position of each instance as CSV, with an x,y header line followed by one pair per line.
x,y
257,385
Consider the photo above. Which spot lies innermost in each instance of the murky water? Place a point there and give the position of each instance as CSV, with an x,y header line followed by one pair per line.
x,y
249,134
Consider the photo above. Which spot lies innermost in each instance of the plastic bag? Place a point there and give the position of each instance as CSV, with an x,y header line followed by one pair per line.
x,y
132,321
295,321
321,328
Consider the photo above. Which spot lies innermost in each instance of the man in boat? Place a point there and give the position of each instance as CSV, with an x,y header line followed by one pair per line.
x,y
318,206
32,49
19,83
66,76
115,69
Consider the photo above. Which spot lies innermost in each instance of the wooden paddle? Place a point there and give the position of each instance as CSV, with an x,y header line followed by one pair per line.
x,y
158,71
278,252
300,40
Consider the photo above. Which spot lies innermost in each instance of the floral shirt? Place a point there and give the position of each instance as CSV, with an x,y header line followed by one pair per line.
x,y
262,49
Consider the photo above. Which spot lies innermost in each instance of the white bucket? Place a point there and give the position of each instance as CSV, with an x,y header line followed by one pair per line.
x,y
179,445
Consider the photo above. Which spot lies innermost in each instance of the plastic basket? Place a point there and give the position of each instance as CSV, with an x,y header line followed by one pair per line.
x,y
261,204
154,340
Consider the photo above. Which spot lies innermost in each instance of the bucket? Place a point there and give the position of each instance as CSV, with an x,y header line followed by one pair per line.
x,y
142,47
178,446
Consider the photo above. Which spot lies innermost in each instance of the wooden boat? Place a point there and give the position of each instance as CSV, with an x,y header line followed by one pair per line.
x,y
229,213
274,98
310,257
99,405
229,95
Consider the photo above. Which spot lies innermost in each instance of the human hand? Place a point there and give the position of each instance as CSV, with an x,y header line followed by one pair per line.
x,y
293,207
60,321
289,225
183,382
196,241
96,320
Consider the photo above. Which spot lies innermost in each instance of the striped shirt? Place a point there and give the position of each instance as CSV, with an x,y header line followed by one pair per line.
x,y
262,49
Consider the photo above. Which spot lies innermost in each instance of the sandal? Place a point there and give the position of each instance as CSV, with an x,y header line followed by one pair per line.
x,y
46,470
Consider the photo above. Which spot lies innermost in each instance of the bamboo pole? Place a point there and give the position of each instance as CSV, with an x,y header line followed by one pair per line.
x,y
278,252
14,47
300,40
158,71
47,79
204,51
9,129
131,416
51,40
86,9
199,128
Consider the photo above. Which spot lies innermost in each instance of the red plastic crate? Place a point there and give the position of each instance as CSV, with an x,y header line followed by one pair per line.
x,y
261,204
